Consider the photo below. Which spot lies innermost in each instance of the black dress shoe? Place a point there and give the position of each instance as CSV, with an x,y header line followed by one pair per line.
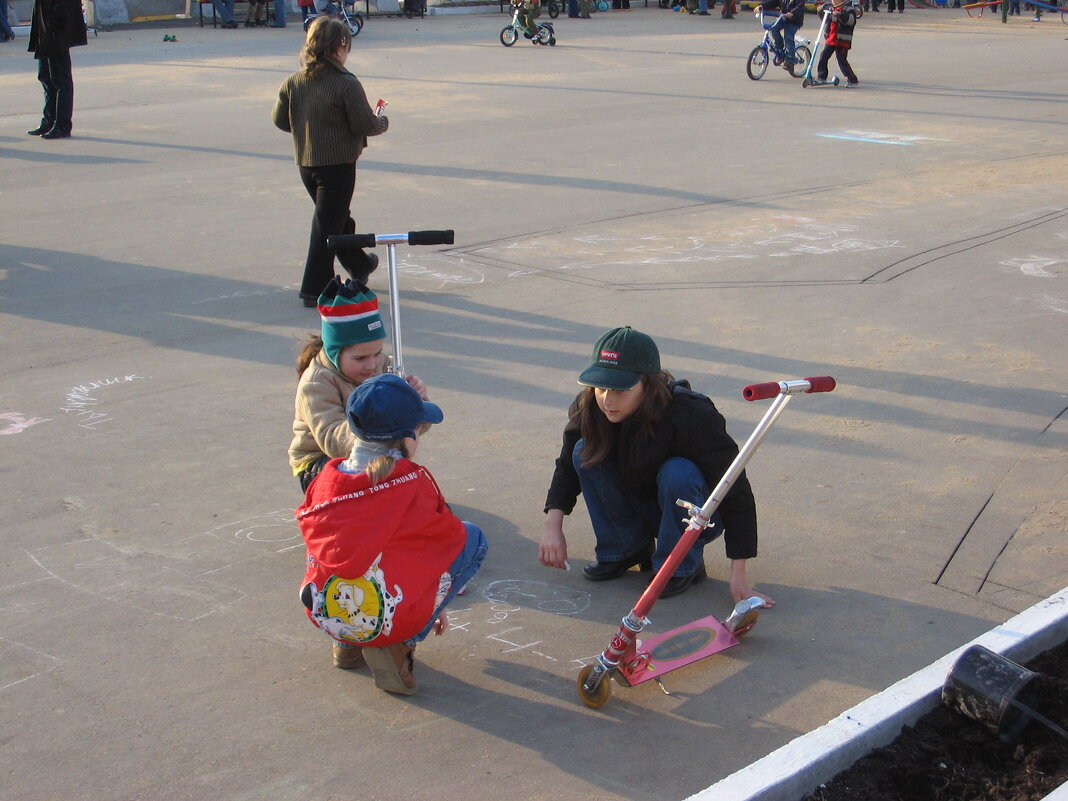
x,y
39,130
56,133
310,301
605,571
361,275
679,584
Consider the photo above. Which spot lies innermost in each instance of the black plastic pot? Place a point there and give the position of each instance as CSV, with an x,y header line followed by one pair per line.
x,y
991,690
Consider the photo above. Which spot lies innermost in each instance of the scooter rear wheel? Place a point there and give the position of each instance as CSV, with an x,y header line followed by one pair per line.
x,y
508,36
600,696
757,64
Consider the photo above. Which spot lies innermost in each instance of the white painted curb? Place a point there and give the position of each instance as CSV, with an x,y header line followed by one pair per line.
x,y
800,766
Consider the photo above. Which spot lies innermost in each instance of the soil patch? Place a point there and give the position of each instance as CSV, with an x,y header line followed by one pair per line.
x,y
947,757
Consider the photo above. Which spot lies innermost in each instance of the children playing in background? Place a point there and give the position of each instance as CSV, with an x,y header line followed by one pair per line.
x,y
838,40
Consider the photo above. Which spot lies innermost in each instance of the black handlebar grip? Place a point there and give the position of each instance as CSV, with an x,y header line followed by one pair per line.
x,y
342,243
431,237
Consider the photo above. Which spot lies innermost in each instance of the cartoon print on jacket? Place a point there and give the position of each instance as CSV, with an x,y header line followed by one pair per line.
x,y
356,611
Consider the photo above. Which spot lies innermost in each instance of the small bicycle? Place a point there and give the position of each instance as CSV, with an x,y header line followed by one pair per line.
x,y
757,64
344,11
553,8
510,33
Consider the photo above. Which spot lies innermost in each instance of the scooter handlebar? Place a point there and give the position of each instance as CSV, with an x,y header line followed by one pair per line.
x,y
771,389
821,383
342,243
431,237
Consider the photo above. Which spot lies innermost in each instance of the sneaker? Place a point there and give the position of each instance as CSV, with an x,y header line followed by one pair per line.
x,y
852,84
1036,19
536,39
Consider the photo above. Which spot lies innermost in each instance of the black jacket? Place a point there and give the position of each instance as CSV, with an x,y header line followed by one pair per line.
x,y
55,27
692,428
793,10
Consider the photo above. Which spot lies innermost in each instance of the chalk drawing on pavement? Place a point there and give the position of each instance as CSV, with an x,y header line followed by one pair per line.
x,y
17,422
83,400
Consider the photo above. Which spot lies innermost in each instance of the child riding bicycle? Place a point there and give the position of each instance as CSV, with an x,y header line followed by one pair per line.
x,y
530,10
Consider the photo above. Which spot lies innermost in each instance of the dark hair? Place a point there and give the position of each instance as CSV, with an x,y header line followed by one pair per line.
x,y
597,432
325,37
309,349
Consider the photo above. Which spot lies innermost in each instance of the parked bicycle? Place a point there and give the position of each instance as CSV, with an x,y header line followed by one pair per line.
x,y
344,11
767,51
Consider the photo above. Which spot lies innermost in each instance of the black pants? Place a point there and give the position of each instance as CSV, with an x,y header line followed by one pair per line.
x,y
900,6
843,62
55,76
330,187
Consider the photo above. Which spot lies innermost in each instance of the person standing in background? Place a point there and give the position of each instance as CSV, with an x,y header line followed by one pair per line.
x,y
6,34
325,108
55,27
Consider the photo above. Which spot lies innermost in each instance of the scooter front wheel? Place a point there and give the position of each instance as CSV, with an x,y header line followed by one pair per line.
x,y
803,56
757,64
598,697
508,36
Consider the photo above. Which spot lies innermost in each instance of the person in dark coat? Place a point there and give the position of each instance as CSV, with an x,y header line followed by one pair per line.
x,y
636,441
56,27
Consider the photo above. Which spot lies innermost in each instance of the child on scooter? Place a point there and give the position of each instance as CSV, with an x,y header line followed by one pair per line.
x,y
331,365
839,40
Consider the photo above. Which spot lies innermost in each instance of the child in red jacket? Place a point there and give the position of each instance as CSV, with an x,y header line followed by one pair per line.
x,y
386,554
839,39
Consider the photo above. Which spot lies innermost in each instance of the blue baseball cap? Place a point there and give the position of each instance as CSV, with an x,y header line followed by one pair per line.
x,y
386,408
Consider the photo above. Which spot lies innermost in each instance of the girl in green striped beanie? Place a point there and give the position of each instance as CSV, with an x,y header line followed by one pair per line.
x,y
330,365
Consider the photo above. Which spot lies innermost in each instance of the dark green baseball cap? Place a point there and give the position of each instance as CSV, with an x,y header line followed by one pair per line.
x,y
620,358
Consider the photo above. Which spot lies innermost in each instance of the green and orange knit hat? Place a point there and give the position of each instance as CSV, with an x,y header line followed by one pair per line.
x,y
350,315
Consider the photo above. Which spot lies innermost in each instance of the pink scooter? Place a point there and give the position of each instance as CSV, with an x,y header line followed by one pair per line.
x,y
632,661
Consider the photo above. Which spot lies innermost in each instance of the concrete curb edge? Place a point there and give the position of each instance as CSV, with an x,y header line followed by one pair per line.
x,y
800,766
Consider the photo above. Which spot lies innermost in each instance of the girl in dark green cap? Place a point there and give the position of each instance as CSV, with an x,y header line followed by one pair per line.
x,y
636,441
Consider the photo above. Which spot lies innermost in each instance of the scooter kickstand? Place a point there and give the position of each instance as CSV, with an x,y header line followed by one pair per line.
x,y
661,685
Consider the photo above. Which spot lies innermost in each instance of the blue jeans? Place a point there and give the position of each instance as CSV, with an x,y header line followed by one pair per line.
x,y
5,26
225,9
780,27
279,13
462,570
625,526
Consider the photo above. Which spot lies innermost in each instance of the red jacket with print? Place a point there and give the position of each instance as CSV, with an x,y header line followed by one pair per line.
x,y
378,556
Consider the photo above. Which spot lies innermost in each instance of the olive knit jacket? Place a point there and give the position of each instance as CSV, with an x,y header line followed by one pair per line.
x,y
328,114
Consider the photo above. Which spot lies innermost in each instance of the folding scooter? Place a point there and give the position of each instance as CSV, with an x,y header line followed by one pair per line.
x,y
817,45
632,661
344,242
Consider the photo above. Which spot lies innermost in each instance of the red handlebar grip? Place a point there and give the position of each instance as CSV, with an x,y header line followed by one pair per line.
x,y
769,389
821,383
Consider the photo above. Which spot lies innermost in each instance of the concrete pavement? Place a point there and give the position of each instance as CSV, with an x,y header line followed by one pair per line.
x,y
907,238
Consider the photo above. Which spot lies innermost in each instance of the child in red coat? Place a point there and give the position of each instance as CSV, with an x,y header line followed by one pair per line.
x,y
386,554
839,39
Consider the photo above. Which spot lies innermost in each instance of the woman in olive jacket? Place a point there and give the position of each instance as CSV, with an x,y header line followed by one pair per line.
x,y
325,108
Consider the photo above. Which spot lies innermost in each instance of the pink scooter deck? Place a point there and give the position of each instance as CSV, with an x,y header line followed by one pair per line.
x,y
663,653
